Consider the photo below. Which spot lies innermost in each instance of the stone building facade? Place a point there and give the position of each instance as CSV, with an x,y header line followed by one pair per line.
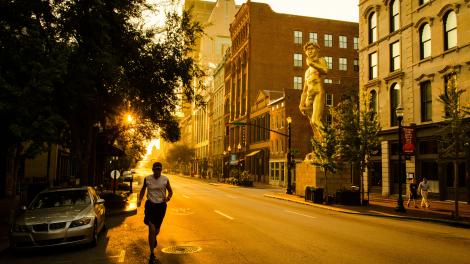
x,y
408,51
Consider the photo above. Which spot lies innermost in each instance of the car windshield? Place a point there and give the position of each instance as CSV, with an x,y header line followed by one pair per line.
x,y
60,199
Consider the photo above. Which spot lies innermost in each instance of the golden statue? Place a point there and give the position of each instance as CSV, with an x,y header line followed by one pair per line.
x,y
312,100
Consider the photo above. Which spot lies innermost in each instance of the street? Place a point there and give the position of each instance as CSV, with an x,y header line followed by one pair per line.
x,y
229,224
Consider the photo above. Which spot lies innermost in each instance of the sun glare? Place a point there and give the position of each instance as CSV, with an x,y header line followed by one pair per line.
x,y
153,142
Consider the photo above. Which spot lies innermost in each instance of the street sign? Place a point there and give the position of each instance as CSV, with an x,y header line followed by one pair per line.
x,y
115,173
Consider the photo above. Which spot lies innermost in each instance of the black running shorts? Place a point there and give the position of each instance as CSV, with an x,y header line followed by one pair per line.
x,y
154,213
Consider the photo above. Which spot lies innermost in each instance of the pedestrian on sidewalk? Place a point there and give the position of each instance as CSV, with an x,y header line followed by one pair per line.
x,y
413,193
424,189
155,206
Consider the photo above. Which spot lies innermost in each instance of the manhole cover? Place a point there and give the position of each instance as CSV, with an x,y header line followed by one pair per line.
x,y
181,249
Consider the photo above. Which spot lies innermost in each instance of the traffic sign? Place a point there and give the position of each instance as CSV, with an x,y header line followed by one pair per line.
x,y
115,173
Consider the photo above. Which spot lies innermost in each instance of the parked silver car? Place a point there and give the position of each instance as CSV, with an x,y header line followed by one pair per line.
x,y
59,216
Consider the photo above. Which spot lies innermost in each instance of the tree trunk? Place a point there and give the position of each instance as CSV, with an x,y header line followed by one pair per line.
x,y
456,187
326,187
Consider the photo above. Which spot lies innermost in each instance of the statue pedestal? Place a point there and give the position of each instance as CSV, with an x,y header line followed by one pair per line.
x,y
311,175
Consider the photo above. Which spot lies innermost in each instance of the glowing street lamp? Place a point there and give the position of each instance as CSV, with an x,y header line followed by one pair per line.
x,y
400,208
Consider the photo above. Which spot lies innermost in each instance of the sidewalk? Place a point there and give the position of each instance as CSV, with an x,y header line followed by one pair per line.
x,y
439,212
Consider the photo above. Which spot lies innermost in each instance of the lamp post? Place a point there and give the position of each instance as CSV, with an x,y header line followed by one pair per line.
x,y
400,207
289,156
239,147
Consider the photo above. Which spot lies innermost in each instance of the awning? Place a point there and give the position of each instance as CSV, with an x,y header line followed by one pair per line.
x,y
253,153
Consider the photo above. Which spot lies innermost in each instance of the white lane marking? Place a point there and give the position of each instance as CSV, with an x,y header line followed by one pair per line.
x,y
224,215
122,255
292,212
230,196
185,196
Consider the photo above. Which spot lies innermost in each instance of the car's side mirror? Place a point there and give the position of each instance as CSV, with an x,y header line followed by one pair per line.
x,y
100,201
23,208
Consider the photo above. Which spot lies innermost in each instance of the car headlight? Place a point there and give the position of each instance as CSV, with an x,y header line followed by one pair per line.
x,y
80,222
20,228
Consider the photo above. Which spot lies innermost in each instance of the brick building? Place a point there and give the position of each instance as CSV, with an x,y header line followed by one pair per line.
x,y
267,54
409,49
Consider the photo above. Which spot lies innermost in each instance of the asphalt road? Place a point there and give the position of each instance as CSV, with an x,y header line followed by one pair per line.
x,y
228,224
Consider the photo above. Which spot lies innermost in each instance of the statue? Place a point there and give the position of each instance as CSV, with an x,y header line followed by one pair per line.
x,y
312,100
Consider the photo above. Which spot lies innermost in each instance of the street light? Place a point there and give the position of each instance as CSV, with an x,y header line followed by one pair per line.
x,y
239,147
400,207
289,156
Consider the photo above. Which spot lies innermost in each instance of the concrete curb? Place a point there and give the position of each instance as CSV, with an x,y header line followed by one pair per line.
x,y
463,224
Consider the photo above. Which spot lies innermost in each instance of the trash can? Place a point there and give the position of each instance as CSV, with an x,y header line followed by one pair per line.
x,y
308,193
317,195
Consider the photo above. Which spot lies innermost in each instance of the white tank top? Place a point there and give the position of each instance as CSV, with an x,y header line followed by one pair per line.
x,y
156,188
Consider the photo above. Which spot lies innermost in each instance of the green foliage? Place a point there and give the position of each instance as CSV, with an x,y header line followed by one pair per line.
x,y
179,153
325,149
32,65
357,131
70,65
455,136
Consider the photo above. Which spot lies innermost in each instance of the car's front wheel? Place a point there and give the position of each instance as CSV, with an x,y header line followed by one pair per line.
x,y
94,240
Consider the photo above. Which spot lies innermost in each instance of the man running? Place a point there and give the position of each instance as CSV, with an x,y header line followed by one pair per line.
x,y
155,206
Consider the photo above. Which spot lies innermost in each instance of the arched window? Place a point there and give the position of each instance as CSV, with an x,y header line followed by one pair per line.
x,y
450,30
425,41
394,102
394,15
372,27
373,101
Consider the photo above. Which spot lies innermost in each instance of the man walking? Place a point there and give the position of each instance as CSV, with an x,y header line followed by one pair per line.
x,y
424,188
155,206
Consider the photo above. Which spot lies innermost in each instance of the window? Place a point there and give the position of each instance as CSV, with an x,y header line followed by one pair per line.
x,y
298,37
343,64
422,2
372,66
329,99
450,28
356,43
373,101
395,56
297,60
426,101
298,82
372,27
328,81
394,15
427,147
343,42
328,40
430,168
312,37
329,119
394,101
329,62
356,65
425,41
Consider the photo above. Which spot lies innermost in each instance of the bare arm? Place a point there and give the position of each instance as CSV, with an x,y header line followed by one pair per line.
x,y
142,193
320,65
170,191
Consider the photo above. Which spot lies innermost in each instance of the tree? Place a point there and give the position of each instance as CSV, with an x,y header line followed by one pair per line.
x,y
179,154
326,151
455,139
358,132
32,65
101,59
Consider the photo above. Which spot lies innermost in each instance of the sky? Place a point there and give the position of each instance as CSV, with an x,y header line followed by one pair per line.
x,y
345,10
348,11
